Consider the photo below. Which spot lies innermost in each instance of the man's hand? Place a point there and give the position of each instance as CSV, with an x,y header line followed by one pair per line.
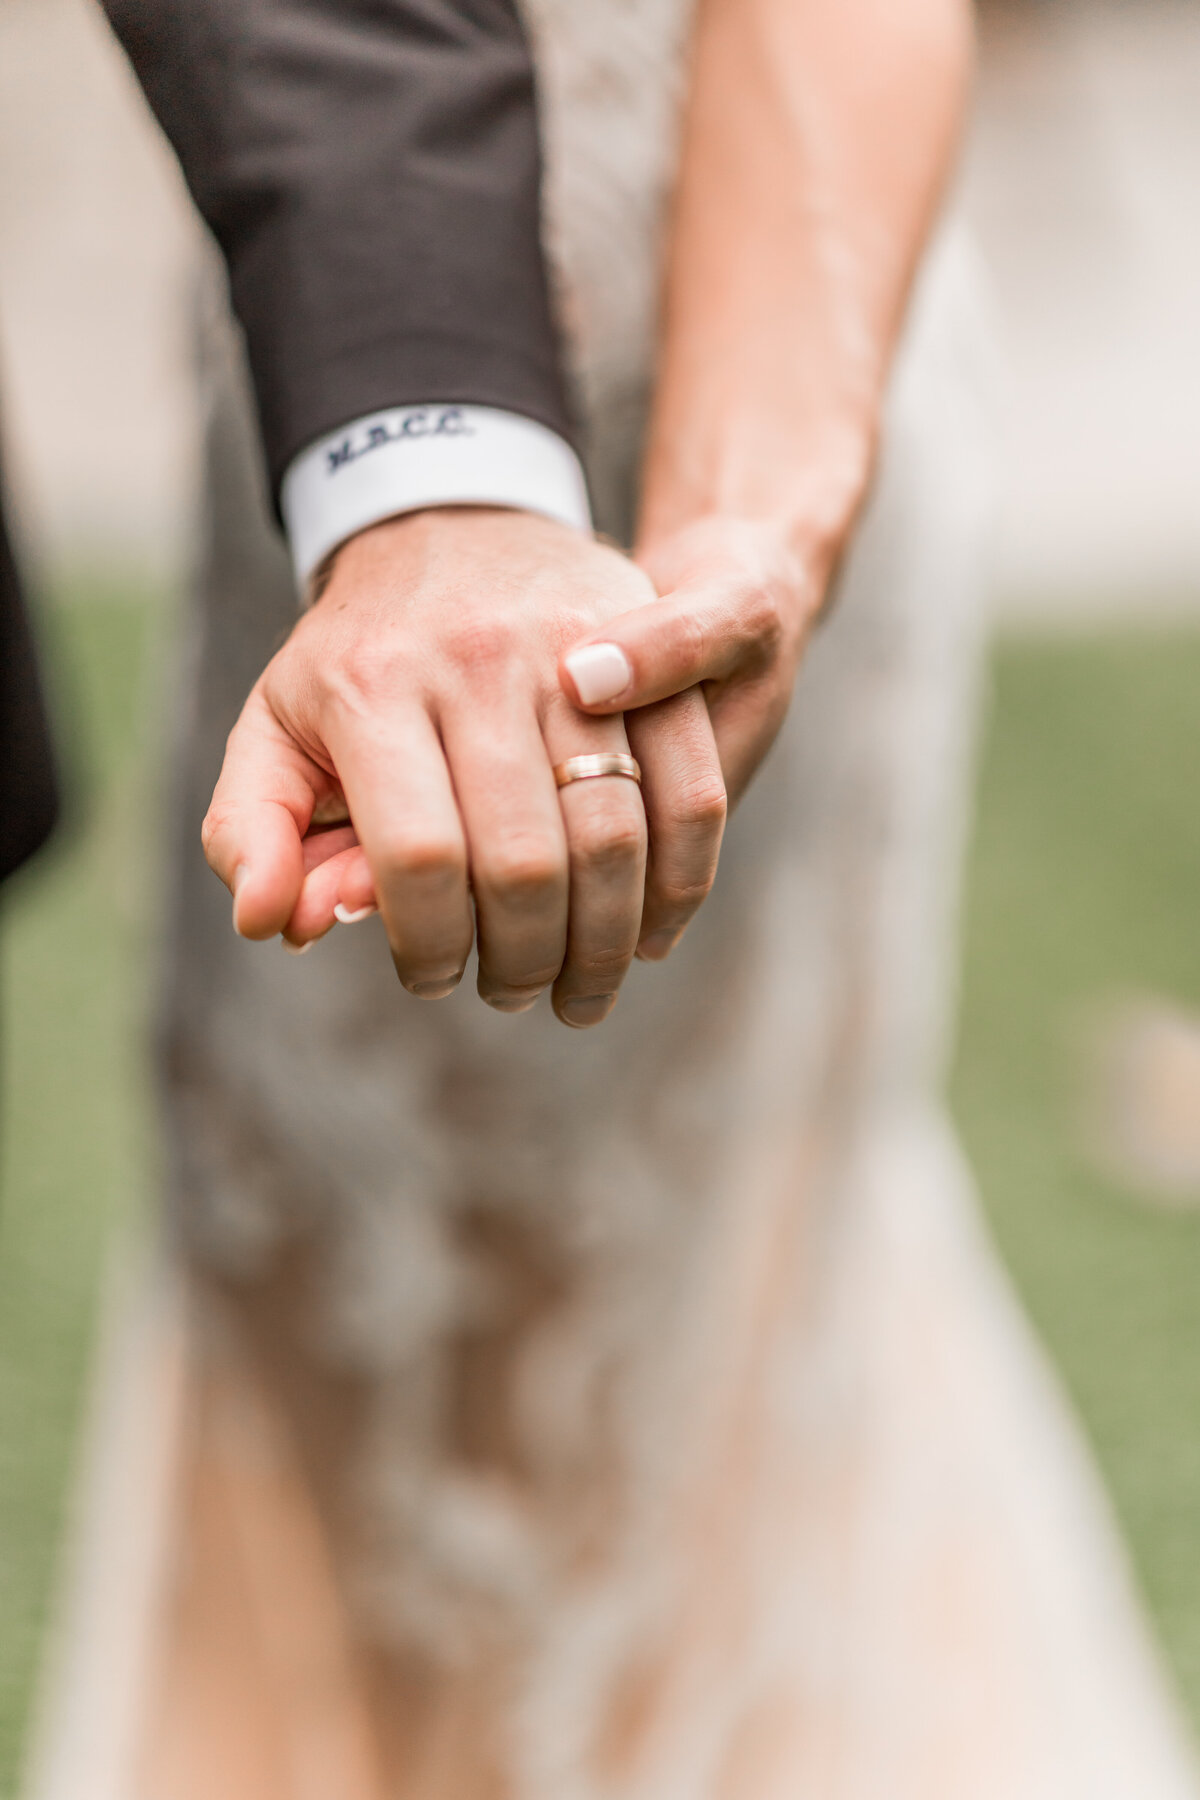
x,y
419,699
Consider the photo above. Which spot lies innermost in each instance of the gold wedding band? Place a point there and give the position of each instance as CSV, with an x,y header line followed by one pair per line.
x,y
587,768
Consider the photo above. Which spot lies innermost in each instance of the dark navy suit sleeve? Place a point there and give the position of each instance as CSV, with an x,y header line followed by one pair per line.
x,y
371,171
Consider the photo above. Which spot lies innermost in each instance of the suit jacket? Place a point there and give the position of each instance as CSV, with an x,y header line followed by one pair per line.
x,y
370,169
28,784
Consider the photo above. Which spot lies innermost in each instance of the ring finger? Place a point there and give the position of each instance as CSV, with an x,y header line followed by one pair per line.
x,y
684,795
606,845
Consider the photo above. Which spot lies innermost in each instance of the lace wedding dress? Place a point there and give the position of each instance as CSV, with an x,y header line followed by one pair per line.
x,y
667,1369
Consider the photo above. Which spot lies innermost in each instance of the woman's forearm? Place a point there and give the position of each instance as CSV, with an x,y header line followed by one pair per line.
x,y
816,145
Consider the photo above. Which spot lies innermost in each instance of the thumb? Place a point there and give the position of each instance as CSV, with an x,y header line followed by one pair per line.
x,y
702,631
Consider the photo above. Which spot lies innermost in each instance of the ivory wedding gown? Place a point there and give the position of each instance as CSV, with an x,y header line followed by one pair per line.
x,y
667,1368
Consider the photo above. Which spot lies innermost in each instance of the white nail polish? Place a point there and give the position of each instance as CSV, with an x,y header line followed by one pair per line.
x,y
297,949
600,672
344,916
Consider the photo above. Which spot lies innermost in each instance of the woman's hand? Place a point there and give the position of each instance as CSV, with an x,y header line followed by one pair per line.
x,y
816,143
419,700
737,603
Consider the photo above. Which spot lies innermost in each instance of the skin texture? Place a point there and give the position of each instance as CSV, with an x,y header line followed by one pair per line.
x,y
817,142
429,692
420,697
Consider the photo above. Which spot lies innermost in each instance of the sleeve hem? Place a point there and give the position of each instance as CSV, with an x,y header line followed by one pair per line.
x,y
404,459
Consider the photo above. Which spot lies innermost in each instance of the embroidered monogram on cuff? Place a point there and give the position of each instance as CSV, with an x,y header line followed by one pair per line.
x,y
415,456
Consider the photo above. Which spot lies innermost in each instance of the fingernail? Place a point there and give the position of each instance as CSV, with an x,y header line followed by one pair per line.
x,y
297,949
435,990
600,672
344,916
658,945
587,1011
512,1003
239,875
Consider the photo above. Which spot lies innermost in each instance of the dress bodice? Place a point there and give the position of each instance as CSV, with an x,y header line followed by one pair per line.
x,y
610,80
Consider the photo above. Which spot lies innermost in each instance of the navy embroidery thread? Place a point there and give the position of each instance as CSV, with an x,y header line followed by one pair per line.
x,y
421,422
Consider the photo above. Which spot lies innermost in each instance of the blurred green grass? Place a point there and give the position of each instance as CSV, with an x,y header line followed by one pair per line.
x,y
75,1126
1084,880
1084,883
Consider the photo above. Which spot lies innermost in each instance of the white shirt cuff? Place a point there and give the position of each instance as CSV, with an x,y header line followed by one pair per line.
x,y
415,456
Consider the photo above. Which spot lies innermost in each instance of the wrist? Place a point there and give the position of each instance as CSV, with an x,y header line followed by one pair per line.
x,y
392,552
756,475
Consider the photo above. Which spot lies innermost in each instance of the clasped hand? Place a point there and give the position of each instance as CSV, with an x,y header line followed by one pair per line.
x,y
427,697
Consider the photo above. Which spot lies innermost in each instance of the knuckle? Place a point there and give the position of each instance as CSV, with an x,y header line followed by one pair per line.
x,y
477,642
602,969
683,896
610,843
426,856
764,617
526,869
364,678
700,806
691,639
216,820
521,977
